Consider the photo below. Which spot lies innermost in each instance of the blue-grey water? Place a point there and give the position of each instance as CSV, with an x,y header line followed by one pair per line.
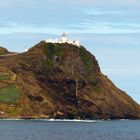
x,y
45,130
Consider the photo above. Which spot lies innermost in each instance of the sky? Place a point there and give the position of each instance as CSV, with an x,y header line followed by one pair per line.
x,y
109,29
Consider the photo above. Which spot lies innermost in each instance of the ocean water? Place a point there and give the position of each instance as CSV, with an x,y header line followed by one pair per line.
x,y
66,130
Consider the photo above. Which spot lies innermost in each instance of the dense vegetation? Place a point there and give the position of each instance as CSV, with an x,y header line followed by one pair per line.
x,y
52,51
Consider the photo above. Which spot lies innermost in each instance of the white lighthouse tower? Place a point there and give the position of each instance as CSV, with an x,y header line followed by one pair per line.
x,y
63,38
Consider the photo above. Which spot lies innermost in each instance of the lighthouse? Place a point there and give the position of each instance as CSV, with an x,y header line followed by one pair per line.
x,y
63,38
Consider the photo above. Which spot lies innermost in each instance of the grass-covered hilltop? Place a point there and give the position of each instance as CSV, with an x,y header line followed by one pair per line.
x,y
60,81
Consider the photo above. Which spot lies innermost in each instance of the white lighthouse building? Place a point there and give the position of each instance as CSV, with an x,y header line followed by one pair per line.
x,y
63,39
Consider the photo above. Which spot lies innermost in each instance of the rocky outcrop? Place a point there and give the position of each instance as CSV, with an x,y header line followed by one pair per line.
x,y
3,51
62,81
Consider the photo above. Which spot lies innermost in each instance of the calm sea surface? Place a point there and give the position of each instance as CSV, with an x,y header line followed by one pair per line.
x,y
45,130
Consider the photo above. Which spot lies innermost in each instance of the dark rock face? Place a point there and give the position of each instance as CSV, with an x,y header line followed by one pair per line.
x,y
64,81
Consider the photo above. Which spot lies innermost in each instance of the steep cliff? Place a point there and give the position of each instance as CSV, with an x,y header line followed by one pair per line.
x,y
60,81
